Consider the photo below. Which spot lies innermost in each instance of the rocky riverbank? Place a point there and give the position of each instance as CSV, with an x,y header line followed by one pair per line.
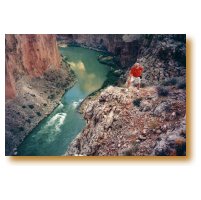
x,y
36,79
151,122
121,122
36,98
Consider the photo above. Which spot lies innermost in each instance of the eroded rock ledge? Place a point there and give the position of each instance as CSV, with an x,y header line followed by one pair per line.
x,y
121,123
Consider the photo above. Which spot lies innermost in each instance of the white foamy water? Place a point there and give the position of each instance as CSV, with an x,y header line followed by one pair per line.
x,y
54,134
76,103
52,128
56,121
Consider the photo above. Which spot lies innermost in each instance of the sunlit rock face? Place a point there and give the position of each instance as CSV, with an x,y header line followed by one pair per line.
x,y
28,55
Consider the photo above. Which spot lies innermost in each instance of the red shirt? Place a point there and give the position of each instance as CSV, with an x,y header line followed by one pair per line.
x,y
136,71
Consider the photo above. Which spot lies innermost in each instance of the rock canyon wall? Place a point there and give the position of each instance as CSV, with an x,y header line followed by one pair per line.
x,y
28,55
36,79
119,122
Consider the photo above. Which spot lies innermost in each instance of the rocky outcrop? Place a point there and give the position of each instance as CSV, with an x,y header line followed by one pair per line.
x,y
163,56
118,121
36,79
121,122
28,55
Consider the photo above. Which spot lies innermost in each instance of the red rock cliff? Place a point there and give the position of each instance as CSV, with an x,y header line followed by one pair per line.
x,y
28,55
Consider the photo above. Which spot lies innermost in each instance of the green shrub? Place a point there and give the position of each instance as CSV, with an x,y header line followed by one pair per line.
x,y
51,96
172,81
162,91
31,106
128,152
38,113
137,102
131,151
21,128
28,120
143,85
181,85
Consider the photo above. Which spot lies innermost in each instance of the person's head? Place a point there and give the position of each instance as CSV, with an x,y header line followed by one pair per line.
x,y
136,64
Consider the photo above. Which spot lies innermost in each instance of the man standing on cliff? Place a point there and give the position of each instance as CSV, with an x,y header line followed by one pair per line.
x,y
135,75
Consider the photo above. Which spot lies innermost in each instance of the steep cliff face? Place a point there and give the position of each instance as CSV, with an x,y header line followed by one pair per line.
x,y
35,82
28,55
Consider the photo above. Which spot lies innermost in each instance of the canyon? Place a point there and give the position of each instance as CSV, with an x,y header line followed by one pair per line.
x,y
119,120
122,122
36,79
163,56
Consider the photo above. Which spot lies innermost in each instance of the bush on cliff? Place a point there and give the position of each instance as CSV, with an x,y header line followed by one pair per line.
x,y
137,102
31,106
172,81
162,91
181,85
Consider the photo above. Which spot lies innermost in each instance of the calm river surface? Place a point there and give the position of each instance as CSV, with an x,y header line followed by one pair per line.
x,y
53,135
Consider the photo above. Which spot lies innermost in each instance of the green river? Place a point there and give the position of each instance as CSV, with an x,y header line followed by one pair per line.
x,y
53,134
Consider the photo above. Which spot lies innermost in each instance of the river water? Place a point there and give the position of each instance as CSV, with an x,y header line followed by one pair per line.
x,y
53,134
